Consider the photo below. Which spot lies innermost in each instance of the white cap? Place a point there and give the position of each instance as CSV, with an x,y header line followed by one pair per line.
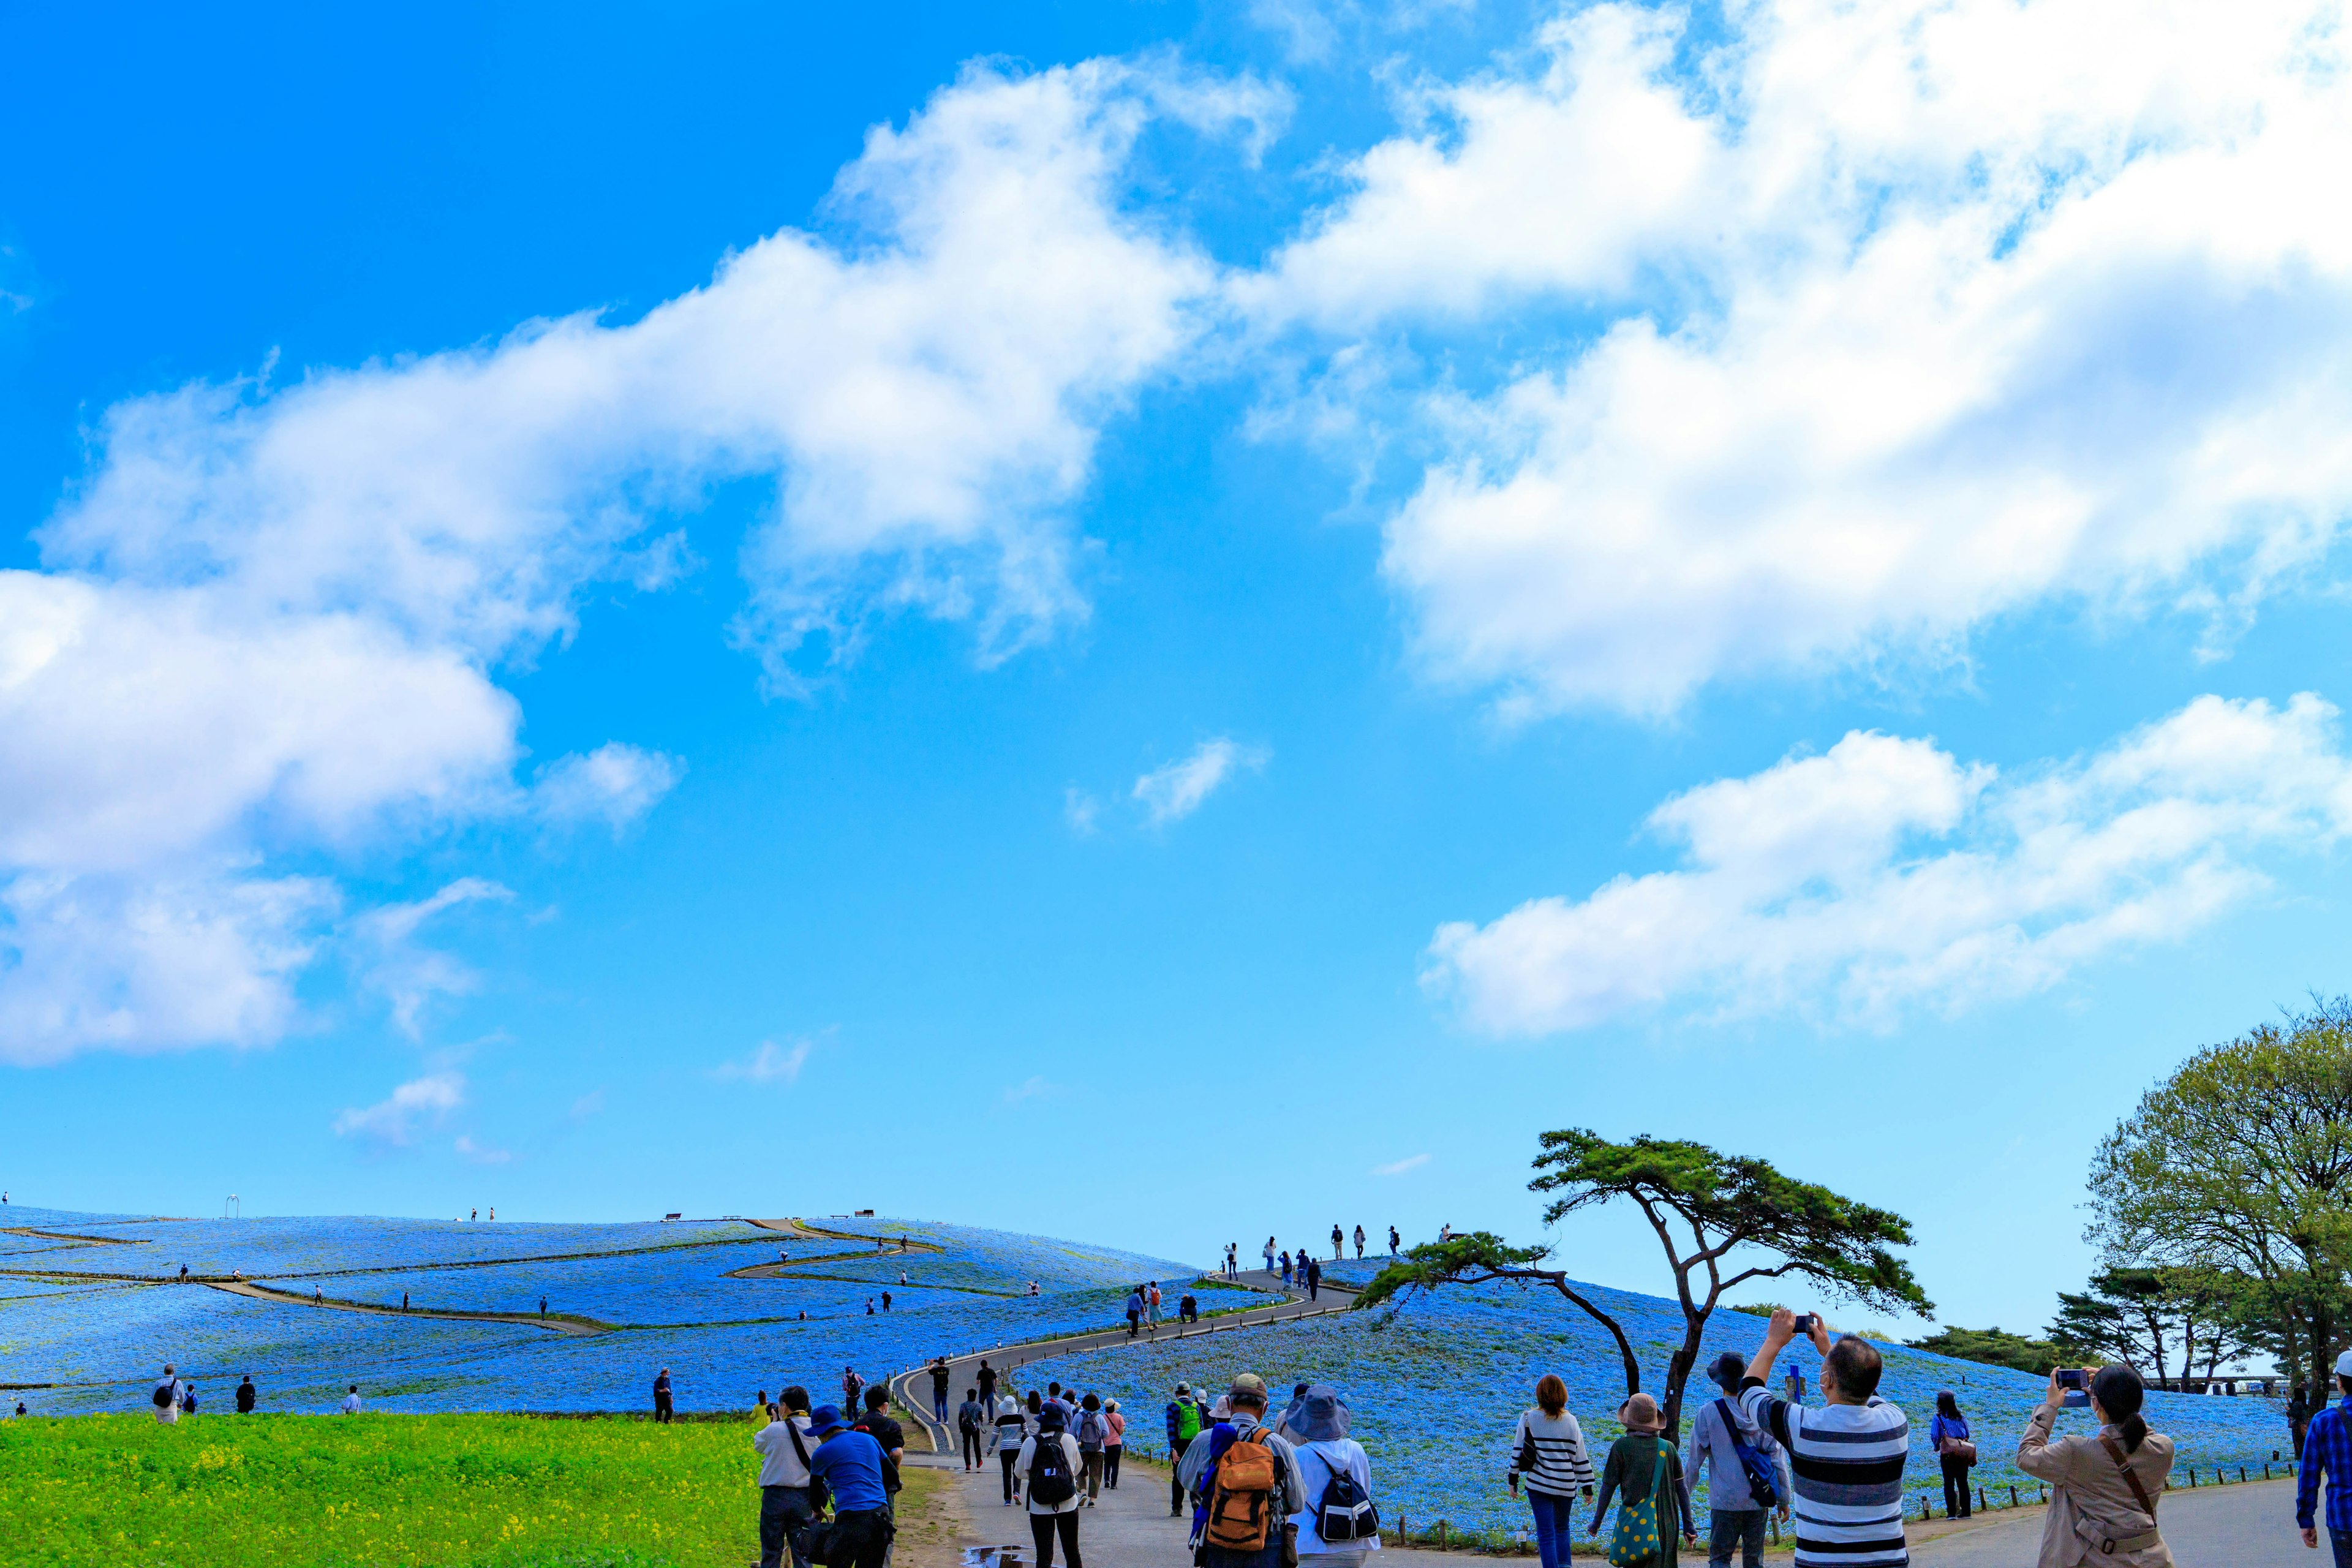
x,y
2343,1364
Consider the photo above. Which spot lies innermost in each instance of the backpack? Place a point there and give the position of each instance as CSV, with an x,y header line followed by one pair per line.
x,y
1634,1543
162,1396
1091,1430
1050,1481
1344,1512
1241,1497
890,1482
1763,1476
1188,1419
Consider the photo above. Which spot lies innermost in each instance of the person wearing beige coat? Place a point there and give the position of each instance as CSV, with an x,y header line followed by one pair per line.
x,y
2096,1514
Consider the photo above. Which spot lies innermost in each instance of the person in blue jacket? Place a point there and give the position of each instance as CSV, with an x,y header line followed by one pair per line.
x,y
849,1462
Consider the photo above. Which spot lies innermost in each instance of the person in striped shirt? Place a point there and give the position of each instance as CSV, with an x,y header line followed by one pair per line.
x,y
1847,1454
1548,1453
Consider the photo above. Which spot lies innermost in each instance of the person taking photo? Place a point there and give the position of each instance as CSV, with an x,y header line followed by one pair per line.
x,y
2103,1486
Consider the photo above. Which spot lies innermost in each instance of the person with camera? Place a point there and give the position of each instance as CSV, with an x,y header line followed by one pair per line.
x,y
850,1463
1847,1455
2103,1487
790,1500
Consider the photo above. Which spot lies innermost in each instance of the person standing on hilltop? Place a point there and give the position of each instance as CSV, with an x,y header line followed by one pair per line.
x,y
1337,1239
1394,1240
1359,1244
1269,1254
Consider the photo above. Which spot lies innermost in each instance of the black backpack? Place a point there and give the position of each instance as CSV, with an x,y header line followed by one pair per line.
x,y
1050,1481
162,1396
1345,1513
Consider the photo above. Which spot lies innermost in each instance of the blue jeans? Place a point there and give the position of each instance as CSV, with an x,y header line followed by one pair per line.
x,y
2341,1540
1554,1526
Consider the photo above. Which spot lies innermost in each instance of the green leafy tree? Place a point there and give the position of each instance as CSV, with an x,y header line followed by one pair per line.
x,y
1995,1347
1723,1220
2239,1164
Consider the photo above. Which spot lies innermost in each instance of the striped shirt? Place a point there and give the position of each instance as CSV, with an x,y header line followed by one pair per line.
x,y
1562,1467
1847,1461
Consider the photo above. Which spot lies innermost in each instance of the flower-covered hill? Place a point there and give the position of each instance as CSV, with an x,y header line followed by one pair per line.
x,y
90,1319
1436,1384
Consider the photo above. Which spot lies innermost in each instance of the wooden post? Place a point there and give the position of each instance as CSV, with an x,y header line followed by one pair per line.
x,y
2012,1496
1441,1535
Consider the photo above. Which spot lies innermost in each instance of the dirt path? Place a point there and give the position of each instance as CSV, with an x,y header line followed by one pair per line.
x,y
72,1236
578,1327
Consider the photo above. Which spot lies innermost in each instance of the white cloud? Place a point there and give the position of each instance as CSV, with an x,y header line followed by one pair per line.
x,y
771,1063
1174,791
270,617
465,1146
405,974
615,783
1399,1167
1901,316
414,1108
1884,874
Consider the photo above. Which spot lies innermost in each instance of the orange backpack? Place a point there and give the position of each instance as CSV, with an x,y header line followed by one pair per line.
x,y
1241,1508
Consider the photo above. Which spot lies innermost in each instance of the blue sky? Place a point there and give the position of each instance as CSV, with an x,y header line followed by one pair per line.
x,y
769,610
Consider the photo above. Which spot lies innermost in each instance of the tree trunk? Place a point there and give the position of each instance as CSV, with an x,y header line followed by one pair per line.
x,y
1625,1346
1678,1370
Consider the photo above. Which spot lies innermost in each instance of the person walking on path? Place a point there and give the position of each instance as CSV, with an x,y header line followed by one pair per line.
x,y
1049,1463
1093,1433
785,1509
970,1417
1006,1443
1326,1455
2326,1448
403,1300
1183,1426
1735,1512
1151,1307
1134,1311
1114,1445
939,1388
542,1305
1548,1453
1246,1480
663,1408
987,1380
1269,1254
1314,1279
1947,1436
850,1463
1359,1244
166,1397
1640,1466
852,1386
2102,1488
1847,1453
1286,1266
246,1395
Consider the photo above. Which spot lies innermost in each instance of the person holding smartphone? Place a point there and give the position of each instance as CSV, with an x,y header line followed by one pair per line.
x,y
2103,1487
1847,1453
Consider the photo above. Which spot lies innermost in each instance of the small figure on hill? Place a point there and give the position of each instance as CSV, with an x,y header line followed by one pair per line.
x,y
542,1305
1640,1467
2103,1486
786,1511
1359,1244
1188,1311
403,1300
783,1256
1314,1279
1286,1267
852,1386
1246,1482
473,1214
188,1398
1134,1311
663,1408
1548,1453
902,1277
318,1295
850,1463
869,1306
184,1274
1394,1240
1269,1254
1151,1307
1033,1286
352,1401
1337,1240
940,1375
1445,1231
246,1394
20,1403
886,1301
494,1214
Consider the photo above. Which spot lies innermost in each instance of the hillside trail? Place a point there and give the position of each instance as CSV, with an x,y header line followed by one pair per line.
x,y
580,1328
801,1231
1131,1525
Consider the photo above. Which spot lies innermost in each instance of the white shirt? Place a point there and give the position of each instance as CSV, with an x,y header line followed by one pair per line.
x,y
1076,1499
1318,1462
351,1405
780,1466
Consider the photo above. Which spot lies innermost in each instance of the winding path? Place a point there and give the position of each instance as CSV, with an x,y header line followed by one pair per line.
x,y
578,1327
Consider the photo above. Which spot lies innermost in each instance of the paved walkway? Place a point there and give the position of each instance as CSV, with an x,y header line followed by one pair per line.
x,y
2250,1525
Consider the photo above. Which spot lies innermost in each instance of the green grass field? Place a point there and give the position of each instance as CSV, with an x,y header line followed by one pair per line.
x,y
453,1491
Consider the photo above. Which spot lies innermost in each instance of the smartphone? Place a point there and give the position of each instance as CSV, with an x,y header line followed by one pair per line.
x,y
1804,1324
2075,1396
